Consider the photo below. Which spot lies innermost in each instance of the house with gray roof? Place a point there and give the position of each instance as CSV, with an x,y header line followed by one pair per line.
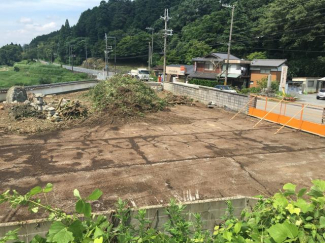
x,y
213,67
261,68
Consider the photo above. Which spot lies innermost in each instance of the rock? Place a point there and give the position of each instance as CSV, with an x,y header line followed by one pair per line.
x,y
27,102
16,93
39,95
2,107
211,104
5,102
51,112
49,96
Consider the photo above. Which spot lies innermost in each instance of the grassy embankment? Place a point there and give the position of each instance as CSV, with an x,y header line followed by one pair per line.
x,y
26,74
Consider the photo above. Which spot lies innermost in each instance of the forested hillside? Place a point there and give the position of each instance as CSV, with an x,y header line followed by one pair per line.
x,y
293,29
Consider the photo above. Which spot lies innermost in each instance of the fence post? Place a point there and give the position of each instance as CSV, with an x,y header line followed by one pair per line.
x,y
303,107
265,104
267,114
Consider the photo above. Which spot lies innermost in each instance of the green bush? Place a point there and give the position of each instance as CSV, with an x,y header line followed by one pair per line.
x,y
289,216
203,82
44,81
125,96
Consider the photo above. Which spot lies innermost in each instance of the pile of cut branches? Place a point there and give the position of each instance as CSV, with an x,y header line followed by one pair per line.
x,y
72,110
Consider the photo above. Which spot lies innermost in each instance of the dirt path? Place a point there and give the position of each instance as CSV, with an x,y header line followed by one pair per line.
x,y
188,153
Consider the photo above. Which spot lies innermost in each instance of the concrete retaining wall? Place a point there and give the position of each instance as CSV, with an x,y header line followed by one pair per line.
x,y
210,210
227,100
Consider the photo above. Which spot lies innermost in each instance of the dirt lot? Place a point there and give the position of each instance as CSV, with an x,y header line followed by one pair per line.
x,y
188,153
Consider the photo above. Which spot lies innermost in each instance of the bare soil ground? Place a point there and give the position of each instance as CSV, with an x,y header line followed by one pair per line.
x,y
187,153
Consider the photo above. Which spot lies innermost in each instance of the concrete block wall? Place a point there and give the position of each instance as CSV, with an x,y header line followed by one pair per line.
x,y
211,212
227,100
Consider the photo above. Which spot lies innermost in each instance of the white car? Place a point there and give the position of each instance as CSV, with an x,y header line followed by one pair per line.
x,y
321,94
225,88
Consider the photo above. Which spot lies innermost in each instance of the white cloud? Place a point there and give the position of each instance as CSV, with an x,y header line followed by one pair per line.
x,y
49,4
41,28
24,20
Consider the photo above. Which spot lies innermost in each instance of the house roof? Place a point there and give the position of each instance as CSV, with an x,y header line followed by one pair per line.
x,y
267,62
223,56
159,67
231,75
215,56
203,75
322,79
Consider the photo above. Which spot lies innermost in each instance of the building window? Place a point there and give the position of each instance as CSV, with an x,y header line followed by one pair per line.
x,y
311,84
209,66
265,70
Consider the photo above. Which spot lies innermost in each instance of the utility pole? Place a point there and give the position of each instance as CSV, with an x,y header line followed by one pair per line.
x,y
69,54
112,37
106,56
86,55
151,57
230,35
167,33
71,57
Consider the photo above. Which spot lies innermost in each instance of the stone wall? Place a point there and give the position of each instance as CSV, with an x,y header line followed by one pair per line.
x,y
211,212
223,99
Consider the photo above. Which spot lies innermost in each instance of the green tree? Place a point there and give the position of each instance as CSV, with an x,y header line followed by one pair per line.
x,y
257,55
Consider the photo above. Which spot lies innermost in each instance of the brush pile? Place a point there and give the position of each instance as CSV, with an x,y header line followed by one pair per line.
x,y
125,97
72,110
172,100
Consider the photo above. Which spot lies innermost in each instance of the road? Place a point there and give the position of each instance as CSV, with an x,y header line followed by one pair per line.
x,y
311,99
312,114
101,75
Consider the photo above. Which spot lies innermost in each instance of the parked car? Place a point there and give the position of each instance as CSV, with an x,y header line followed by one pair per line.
x,y
321,94
225,88
141,74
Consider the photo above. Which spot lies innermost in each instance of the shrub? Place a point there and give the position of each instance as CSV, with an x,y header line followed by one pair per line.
x,y
44,80
16,69
125,96
203,82
20,111
289,216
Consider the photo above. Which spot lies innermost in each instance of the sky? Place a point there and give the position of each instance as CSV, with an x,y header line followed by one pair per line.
x,y
23,20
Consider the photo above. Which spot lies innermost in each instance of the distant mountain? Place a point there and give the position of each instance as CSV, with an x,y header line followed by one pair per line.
x,y
279,29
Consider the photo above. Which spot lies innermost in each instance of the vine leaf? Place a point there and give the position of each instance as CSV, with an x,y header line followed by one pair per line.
x,y
322,222
77,229
83,207
76,193
280,232
289,187
95,195
59,233
48,188
35,190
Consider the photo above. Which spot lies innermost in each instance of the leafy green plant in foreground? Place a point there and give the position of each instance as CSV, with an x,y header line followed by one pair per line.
x,y
290,215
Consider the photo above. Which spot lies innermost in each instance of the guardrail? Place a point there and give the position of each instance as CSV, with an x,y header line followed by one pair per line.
x,y
55,88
